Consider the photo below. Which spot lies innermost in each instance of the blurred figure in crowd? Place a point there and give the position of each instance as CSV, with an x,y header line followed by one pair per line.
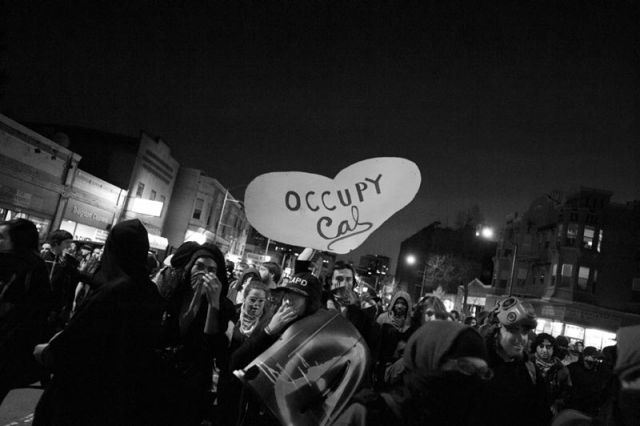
x,y
590,383
445,375
101,362
25,299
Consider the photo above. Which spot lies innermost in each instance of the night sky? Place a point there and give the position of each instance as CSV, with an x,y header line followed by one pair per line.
x,y
497,102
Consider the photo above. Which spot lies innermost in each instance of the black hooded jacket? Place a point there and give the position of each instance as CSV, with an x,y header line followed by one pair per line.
x,y
517,393
25,301
103,361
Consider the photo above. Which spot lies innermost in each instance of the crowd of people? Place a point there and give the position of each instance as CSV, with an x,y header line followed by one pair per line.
x,y
116,338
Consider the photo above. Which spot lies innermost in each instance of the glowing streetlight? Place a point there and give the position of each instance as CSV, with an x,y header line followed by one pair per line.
x,y
411,259
487,233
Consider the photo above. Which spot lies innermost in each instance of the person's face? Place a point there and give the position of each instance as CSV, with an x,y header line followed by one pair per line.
x,y
85,251
473,323
265,275
513,340
545,350
589,362
579,347
203,265
342,278
400,308
255,301
63,247
429,314
5,241
295,300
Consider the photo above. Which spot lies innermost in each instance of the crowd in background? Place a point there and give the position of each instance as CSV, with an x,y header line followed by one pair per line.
x,y
117,338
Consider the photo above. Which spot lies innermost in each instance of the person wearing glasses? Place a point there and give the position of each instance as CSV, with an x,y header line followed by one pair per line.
x,y
517,393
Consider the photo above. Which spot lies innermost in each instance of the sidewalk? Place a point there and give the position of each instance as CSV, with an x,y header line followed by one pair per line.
x,y
18,407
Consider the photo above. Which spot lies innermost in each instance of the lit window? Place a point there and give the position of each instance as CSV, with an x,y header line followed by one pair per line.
x,y
574,332
600,235
140,189
572,233
583,277
587,239
567,273
197,210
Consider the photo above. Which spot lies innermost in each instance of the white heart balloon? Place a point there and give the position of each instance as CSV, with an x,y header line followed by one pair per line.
x,y
335,215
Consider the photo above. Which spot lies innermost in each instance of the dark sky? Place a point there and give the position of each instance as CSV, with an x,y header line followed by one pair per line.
x,y
496,101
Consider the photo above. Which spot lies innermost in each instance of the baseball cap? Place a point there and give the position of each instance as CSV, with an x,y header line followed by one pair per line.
x,y
513,312
304,283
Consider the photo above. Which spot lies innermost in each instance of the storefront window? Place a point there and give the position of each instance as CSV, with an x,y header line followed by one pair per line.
x,y
574,332
599,338
549,326
69,226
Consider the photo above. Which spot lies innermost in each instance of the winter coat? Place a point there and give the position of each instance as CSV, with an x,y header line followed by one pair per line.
x,y
427,395
102,363
516,391
558,384
589,391
25,301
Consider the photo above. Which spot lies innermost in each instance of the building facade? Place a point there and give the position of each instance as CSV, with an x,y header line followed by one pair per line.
x,y
35,174
576,257
196,213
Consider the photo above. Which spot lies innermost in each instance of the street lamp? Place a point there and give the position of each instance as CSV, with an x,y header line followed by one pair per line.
x,y
487,233
227,198
411,260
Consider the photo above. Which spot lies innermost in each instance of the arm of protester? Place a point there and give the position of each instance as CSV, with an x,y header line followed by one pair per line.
x,y
83,343
212,289
263,338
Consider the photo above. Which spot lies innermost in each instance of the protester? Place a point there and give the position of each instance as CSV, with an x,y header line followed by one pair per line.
x,y
63,276
471,321
394,333
339,284
426,310
194,324
623,405
589,391
455,316
253,315
25,299
398,313
270,273
555,374
517,390
236,289
301,298
101,362
445,375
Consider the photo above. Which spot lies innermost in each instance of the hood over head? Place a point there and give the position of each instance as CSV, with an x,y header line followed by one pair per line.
x,y
125,252
213,252
402,295
433,342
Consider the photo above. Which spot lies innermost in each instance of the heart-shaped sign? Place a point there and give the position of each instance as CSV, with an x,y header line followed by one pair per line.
x,y
335,215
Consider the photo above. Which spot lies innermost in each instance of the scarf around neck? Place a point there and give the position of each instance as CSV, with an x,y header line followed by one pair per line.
x,y
543,365
248,321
